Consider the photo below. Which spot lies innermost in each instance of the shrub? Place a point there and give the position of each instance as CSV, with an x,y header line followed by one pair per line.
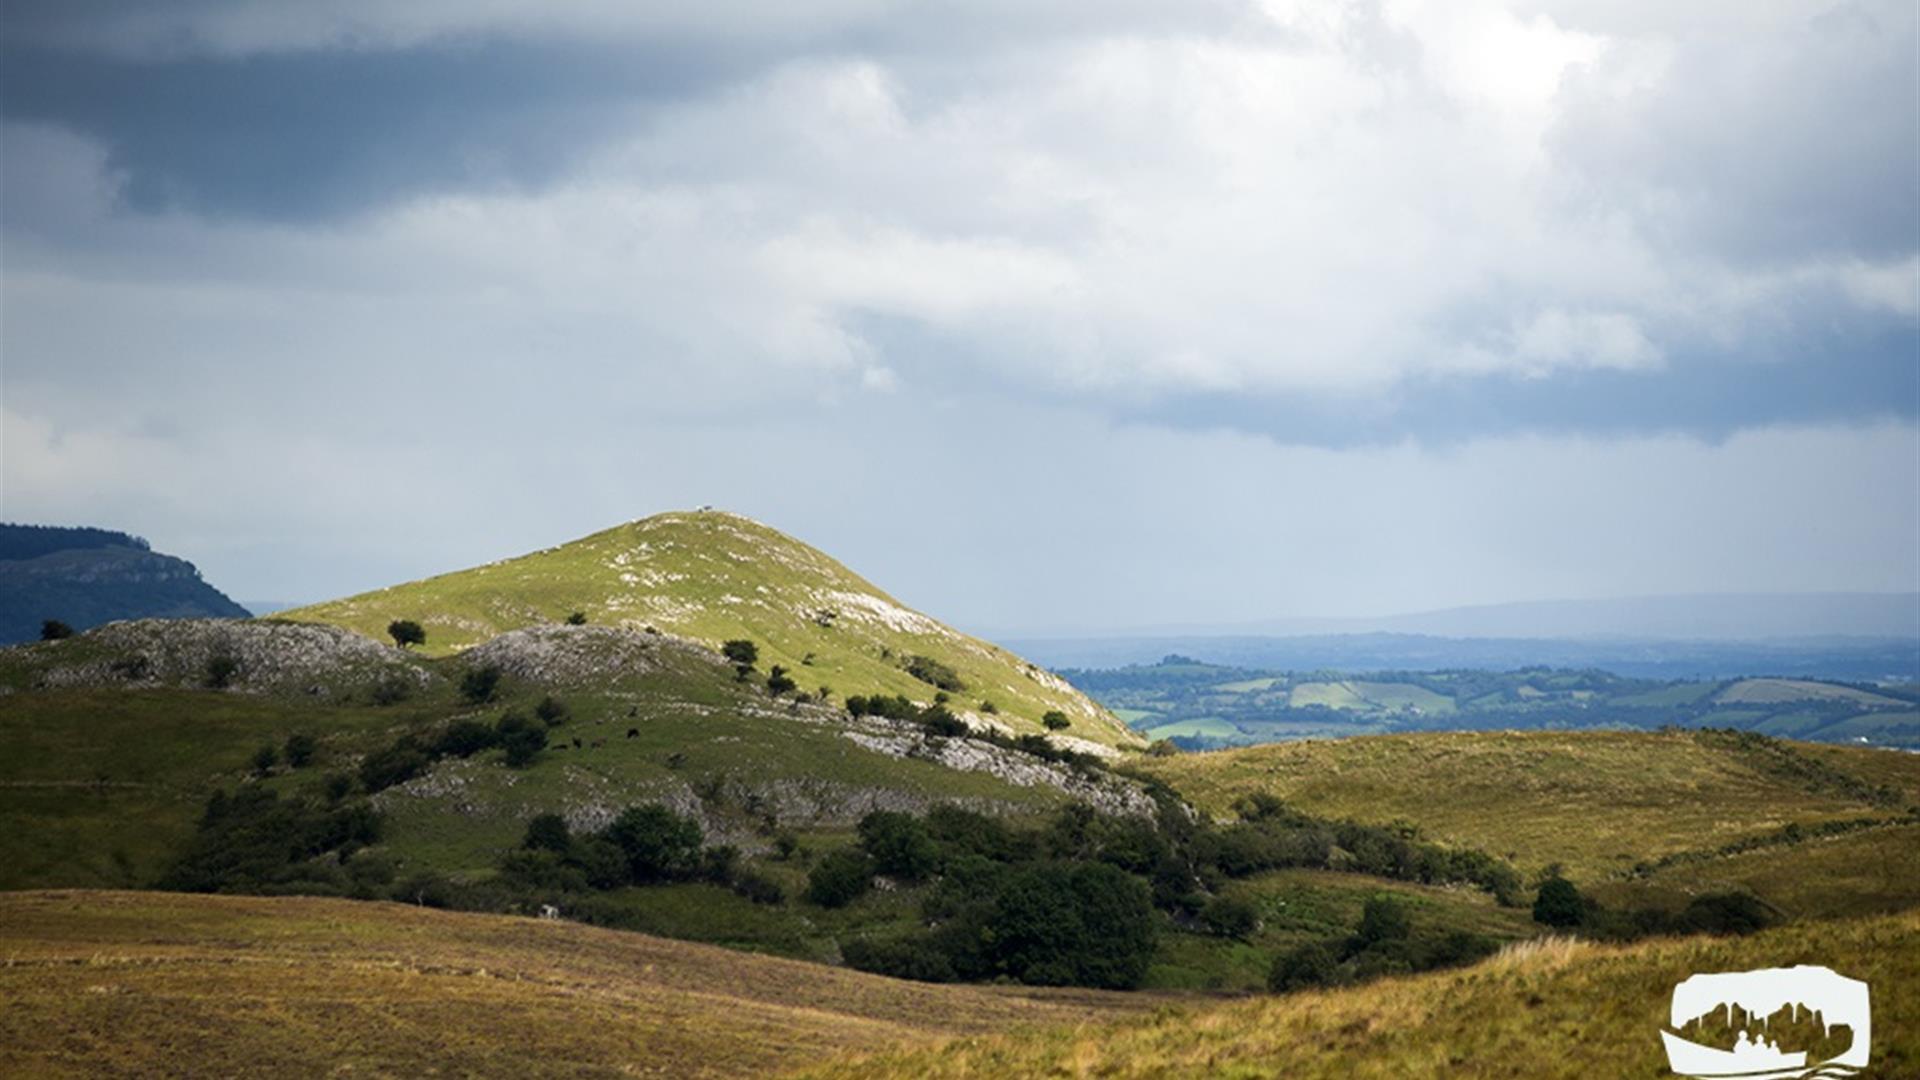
x,y
758,888
264,759
741,652
521,738
779,682
578,618
903,958
1229,918
659,844
547,832
1055,720
464,738
479,684
392,691
220,672
336,786
934,673
600,860
1383,919
1073,924
1726,913
405,632
899,845
1559,904
785,845
1303,966
840,878
940,720
55,630
552,711
255,840
397,764
299,750
719,863
1162,748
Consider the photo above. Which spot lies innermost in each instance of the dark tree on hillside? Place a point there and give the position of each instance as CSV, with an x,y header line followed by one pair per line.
x,y
1073,924
54,630
659,844
264,759
578,618
779,682
478,684
220,672
1312,964
547,832
1559,904
406,632
1055,720
299,750
742,652
1383,919
521,738
840,878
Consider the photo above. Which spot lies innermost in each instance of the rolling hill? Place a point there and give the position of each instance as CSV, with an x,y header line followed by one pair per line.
x,y
152,984
712,576
1599,803
1550,1010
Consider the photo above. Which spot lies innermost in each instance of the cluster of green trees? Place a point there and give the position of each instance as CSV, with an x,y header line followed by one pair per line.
x,y
1271,836
934,673
1027,905
520,738
644,845
1560,904
1385,943
255,841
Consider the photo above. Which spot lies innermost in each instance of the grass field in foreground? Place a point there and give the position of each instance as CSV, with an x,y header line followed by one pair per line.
x,y
1545,1011
158,984
1596,801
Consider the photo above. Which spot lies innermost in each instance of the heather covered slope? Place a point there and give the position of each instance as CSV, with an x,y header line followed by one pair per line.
x,y
114,983
714,576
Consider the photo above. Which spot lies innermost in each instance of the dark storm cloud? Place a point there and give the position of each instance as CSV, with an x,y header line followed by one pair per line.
x,y
316,134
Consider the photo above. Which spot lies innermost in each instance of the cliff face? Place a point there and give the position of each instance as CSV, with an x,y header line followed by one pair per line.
x,y
84,587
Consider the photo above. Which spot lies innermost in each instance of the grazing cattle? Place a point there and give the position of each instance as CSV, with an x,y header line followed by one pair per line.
x,y
633,733
548,911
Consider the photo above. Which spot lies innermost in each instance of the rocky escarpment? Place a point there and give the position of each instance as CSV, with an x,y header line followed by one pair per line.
x,y
241,656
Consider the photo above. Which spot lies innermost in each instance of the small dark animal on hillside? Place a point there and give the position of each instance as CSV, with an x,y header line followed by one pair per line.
x,y
633,733
576,742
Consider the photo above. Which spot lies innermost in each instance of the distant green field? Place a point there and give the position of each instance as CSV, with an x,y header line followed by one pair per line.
x,y
1248,686
1332,695
1386,695
1137,718
1205,727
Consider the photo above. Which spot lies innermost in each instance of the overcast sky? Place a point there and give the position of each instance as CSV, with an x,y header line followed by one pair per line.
x,y
1057,316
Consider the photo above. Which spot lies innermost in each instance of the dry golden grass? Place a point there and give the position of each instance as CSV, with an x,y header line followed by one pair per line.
x,y
1596,801
1555,1010
158,984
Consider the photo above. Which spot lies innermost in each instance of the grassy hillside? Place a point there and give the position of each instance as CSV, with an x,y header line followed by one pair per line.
x,y
713,576
115,744
1559,1010
105,984
1598,802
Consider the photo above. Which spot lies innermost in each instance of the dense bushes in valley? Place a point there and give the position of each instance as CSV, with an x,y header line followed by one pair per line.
x,y
259,842
1387,941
